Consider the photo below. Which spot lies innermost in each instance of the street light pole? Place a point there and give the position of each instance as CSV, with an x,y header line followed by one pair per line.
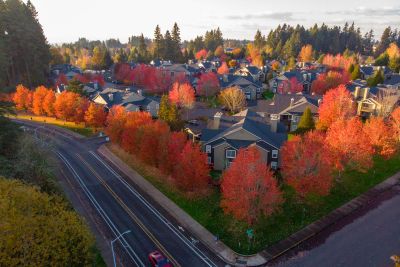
x,y
112,245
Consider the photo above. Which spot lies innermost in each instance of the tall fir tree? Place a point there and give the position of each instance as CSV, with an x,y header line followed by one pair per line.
x,y
158,43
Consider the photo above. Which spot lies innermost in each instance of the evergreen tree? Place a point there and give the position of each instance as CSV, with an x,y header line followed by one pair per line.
x,y
107,60
259,40
306,122
75,86
176,39
355,74
158,43
384,42
24,52
142,50
169,113
168,46
376,79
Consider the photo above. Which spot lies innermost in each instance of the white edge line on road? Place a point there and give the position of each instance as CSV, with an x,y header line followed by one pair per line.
x,y
196,250
102,213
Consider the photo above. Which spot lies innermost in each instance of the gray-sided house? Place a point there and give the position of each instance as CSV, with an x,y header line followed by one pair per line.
x,y
288,108
304,77
256,73
373,101
246,129
252,89
132,101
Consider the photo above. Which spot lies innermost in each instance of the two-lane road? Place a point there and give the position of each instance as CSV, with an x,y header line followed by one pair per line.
x,y
121,207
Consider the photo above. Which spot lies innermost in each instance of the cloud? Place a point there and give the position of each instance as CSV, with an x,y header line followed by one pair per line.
x,y
368,12
284,16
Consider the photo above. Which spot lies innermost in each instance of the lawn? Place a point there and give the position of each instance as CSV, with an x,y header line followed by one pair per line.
x,y
292,217
72,126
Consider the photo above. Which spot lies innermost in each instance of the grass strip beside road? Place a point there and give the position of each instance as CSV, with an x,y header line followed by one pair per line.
x,y
72,126
293,217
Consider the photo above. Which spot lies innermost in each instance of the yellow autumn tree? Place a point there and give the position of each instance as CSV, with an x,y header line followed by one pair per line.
x,y
40,230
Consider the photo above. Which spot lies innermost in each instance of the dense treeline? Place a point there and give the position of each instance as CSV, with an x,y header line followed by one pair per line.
x,y
24,52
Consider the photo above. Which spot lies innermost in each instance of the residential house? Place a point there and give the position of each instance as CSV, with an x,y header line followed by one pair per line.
x,y
373,101
256,73
305,77
392,81
367,71
288,108
251,88
246,129
132,101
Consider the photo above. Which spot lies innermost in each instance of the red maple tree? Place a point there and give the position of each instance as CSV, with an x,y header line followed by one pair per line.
x,y
249,188
182,95
350,145
129,138
115,123
202,54
292,86
307,164
381,135
337,104
191,174
330,80
169,154
208,84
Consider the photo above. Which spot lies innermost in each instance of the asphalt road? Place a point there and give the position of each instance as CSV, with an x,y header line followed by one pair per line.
x,y
369,237
116,206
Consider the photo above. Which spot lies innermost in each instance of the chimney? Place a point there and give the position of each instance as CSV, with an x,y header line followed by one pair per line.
x,y
366,91
291,101
111,97
357,92
225,77
274,122
140,92
319,102
217,120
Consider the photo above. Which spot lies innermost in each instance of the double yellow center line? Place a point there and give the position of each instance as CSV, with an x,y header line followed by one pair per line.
x,y
130,213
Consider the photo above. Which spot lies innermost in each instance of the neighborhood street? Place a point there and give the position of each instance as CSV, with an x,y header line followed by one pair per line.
x,y
369,237
118,206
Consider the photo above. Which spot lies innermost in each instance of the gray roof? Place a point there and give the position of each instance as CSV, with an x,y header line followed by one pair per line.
x,y
282,104
258,128
393,79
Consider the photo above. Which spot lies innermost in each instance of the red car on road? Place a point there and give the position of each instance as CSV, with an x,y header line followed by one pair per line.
x,y
159,260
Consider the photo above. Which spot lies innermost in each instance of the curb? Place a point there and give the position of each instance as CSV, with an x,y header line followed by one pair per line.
x,y
223,251
184,219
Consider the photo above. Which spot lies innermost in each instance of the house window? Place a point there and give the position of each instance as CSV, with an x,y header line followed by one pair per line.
x,y
274,154
208,149
208,160
248,96
230,154
274,165
258,90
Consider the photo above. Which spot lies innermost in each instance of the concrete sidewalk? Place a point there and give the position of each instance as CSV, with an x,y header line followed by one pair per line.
x,y
231,257
185,220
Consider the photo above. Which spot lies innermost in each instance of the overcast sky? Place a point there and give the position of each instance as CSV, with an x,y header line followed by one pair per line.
x,y
66,21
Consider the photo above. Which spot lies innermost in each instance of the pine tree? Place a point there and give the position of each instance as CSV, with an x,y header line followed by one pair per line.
x,y
158,43
356,72
306,122
176,39
378,78
259,40
142,50
168,46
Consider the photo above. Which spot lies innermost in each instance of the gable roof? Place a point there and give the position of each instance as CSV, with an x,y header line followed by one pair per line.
x,y
281,103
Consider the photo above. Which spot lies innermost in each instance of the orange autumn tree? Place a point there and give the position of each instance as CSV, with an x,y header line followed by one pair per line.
x,y
115,123
223,69
350,145
306,53
95,116
395,123
330,80
48,103
307,164
129,137
64,107
337,104
81,105
201,54
182,95
23,98
381,136
249,188
38,100
192,174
